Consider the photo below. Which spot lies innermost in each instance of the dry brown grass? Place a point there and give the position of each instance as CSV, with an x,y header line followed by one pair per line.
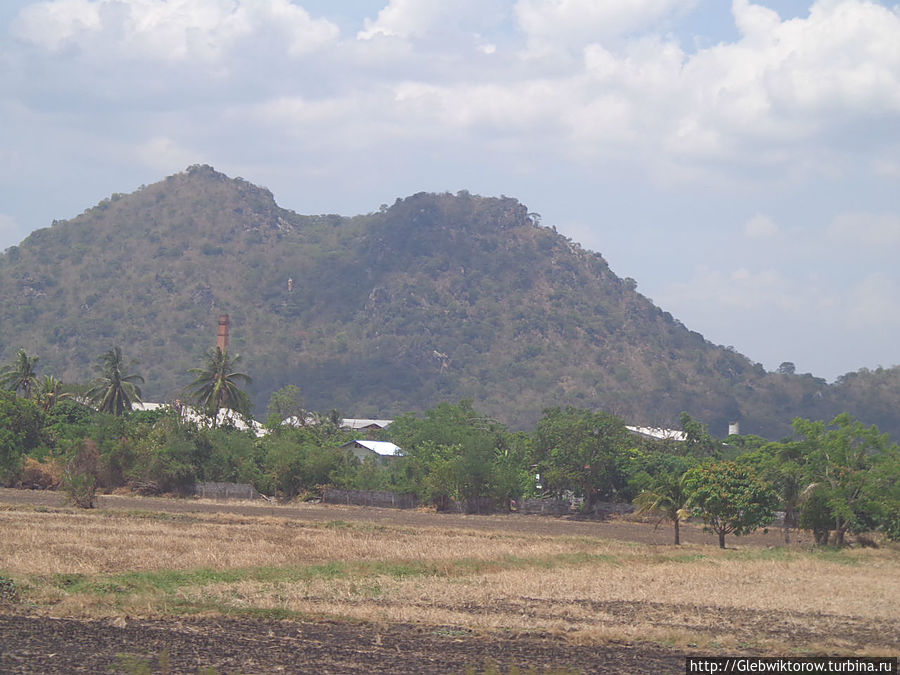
x,y
590,589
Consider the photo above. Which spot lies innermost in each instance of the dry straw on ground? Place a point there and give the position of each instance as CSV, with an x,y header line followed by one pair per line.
x,y
589,589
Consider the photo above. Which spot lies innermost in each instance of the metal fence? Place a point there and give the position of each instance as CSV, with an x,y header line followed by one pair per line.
x,y
390,500
225,491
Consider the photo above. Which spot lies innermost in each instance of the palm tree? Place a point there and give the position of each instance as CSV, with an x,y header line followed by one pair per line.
x,y
20,374
48,391
667,498
114,391
215,385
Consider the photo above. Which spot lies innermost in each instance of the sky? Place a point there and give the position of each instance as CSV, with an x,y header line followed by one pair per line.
x,y
740,161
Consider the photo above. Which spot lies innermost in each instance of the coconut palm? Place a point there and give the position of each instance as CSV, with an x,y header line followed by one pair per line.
x,y
48,391
115,390
20,374
667,498
216,385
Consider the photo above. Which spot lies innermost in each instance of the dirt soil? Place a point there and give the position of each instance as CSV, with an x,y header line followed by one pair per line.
x,y
612,528
43,645
38,644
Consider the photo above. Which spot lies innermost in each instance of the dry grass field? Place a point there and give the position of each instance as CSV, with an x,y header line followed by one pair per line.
x,y
571,589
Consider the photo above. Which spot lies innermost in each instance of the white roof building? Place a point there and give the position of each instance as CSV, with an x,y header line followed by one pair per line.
x,y
658,433
357,424
378,449
225,415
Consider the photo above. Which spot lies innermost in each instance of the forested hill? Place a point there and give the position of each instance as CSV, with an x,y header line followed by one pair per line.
x,y
437,297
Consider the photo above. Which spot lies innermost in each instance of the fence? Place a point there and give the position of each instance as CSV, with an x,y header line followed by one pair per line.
x,y
225,491
390,500
546,507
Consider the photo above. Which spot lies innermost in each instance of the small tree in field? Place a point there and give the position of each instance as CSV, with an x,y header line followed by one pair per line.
x,y
667,498
80,480
730,498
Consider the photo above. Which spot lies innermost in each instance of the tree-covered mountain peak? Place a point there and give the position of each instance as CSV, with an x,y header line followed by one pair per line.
x,y
437,297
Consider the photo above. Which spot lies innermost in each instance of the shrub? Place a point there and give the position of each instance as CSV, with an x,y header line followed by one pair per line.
x,y
80,479
41,475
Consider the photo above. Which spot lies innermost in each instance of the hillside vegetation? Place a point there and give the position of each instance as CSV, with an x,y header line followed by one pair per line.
x,y
436,298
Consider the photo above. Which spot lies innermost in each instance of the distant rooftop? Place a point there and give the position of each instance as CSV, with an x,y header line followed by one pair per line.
x,y
224,415
382,448
351,423
659,433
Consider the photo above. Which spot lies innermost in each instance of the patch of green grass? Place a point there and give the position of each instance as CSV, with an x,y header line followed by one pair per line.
x,y
777,553
9,590
337,525
685,558
840,556
167,585
148,515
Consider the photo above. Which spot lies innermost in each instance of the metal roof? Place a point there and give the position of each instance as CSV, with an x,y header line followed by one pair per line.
x,y
659,433
383,448
351,423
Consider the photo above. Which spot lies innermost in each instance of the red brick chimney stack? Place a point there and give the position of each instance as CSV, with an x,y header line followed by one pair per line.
x,y
222,340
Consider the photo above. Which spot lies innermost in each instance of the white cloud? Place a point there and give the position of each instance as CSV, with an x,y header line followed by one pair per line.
x,y
169,30
760,227
824,325
755,20
420,18
406,18
874,230
568,23
783,95
742,289
165,155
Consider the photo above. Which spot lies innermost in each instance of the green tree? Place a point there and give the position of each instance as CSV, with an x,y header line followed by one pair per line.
x,y
455,452
843,456
115,390
20,374
21,430
216,385
578,450
48,392
666,497
730,498
286,404
698,441
783,467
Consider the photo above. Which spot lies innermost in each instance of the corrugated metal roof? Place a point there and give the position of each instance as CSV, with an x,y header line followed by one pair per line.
x,y
658,433
351,423
383,448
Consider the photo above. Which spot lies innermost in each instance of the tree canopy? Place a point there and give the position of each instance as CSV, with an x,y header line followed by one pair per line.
x,y
216,384
115,390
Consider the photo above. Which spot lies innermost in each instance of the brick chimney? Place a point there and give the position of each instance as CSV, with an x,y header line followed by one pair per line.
x,y
222,340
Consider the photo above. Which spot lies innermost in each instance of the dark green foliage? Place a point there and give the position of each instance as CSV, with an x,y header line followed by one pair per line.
x,y
698,441
666,496
580,452
457,453
115,390
216,385
439,297
21,432
815,515
295,469
20,374
853,472
730,498
287,404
